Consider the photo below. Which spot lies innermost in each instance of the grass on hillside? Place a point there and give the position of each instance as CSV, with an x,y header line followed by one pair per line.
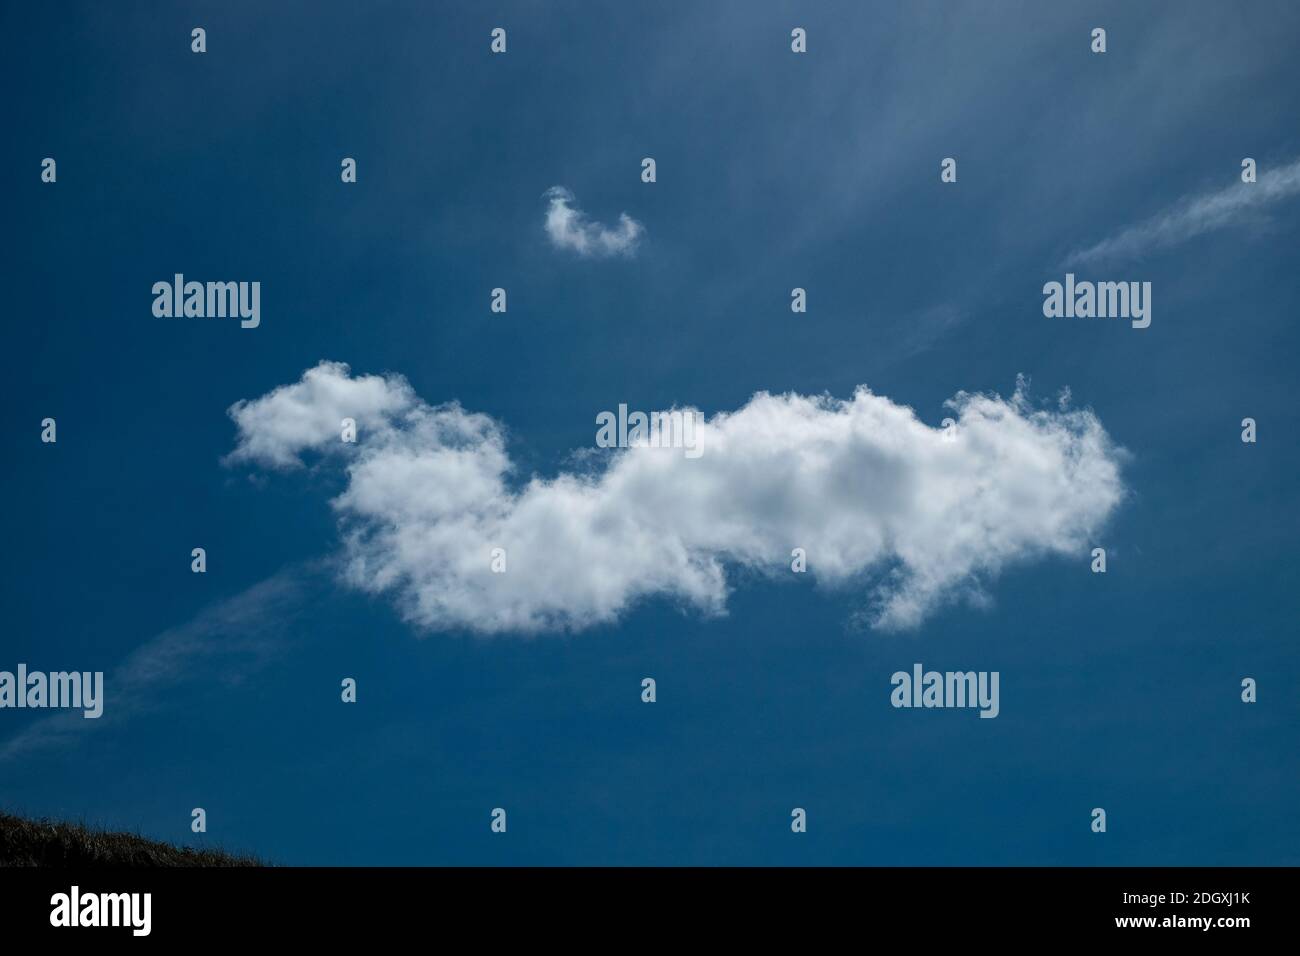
x,y
53,844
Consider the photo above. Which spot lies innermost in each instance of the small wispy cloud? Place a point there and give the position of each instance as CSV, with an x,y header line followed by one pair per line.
x,y
234,638
568,227
1195,215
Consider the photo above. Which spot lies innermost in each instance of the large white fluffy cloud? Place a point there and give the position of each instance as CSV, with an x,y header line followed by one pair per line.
x,y
879,501
568,227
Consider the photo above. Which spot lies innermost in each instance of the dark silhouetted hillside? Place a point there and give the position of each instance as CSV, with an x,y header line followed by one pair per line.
x,y
44,843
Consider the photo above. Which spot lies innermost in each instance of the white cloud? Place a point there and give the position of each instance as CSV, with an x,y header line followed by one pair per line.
x,y
569,228
1194,215
294,417
878,499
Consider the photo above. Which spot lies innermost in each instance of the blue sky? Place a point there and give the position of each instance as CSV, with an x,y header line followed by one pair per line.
x,y
775,170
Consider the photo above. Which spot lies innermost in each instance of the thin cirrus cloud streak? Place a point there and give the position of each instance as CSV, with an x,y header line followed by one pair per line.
x,y
568,227
1194,215
905,515
235,638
